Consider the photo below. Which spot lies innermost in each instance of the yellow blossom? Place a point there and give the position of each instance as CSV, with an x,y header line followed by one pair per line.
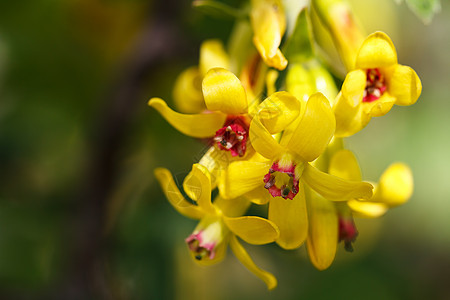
x,y
221,222
394,188
187,91
377,83
225,122
282,168
269,24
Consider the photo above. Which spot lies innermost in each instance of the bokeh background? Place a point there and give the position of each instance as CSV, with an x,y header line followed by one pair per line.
x,y
81,216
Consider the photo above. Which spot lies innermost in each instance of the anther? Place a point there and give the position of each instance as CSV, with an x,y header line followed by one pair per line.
x,y
375,85
232,137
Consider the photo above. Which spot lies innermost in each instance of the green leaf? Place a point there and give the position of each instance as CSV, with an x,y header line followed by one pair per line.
x,y
424,9
218,9
299,46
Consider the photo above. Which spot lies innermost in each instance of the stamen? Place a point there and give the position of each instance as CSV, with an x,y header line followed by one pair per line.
x,y
270,181
375,85
202,253
194,243
285,192
282,180
233,136
377,93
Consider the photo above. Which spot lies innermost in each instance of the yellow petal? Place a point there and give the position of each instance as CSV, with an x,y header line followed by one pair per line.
x,y
242,177
277,61
214,159
213,55
335,188
264,18
291,219
259,195
198,188
253,230
268,23
379,107
395,186
224,92
246,260
344,165
404,85
322,231
262,141
315,129
349,119
353,87
365,209
174,196
196,125
290,130
278,111
235,207
187,92
377,51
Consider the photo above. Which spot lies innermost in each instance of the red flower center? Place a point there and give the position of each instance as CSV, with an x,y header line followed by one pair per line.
x,y
233,136
375,85
347,232
281,181
201,250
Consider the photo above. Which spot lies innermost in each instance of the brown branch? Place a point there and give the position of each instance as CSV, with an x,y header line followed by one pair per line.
x,y
159,43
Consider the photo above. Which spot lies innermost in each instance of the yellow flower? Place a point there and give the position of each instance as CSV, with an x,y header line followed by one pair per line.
x,y
394,188
322,236
187,92
269,24
377,83
332,222
226,121
220,223
284,167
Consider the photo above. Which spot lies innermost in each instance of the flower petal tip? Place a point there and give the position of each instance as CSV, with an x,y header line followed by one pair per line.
x,y
155,101
272,283
376,51
160,173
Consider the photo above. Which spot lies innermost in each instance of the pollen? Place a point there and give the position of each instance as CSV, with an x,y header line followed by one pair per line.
x,y
283,179
233,136
375,85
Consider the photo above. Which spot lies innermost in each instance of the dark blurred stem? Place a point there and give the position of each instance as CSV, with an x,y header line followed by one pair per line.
x,y
158,43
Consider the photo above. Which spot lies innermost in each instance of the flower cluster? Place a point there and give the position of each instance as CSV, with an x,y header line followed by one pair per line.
x,y
275,124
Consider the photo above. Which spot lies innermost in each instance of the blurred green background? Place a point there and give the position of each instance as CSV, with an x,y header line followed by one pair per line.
x,y
81,216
